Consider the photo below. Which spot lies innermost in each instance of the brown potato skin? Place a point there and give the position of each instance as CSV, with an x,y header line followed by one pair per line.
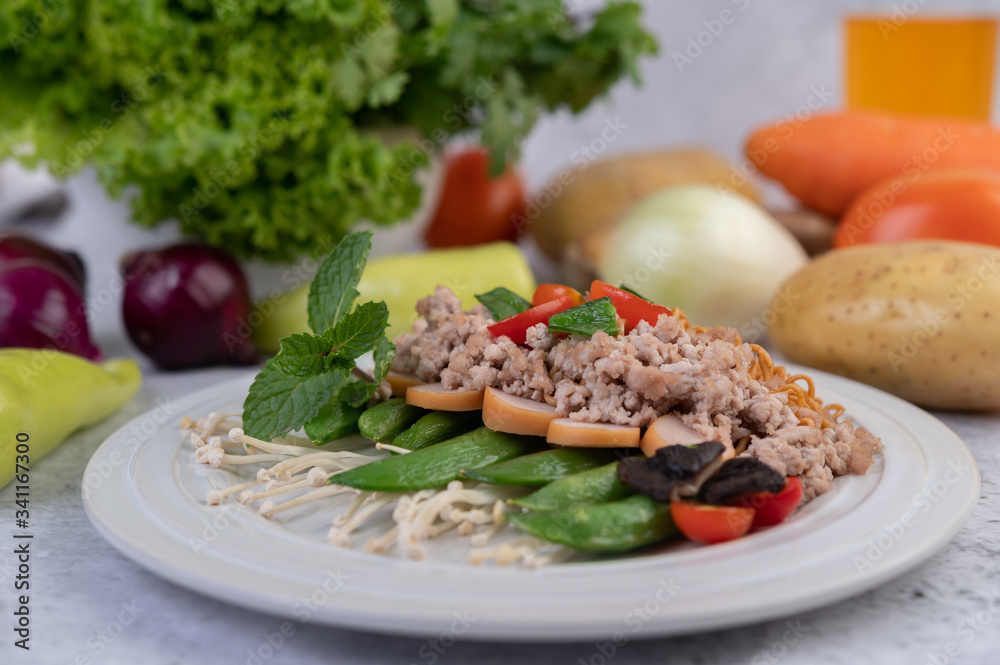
x,y
917,319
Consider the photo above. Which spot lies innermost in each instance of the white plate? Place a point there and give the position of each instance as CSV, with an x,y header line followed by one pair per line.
x,y
146,496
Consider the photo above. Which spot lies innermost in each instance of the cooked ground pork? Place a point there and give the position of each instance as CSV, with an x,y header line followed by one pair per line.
x,y
632,379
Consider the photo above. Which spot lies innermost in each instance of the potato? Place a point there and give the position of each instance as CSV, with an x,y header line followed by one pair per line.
x,y
597,193
920,320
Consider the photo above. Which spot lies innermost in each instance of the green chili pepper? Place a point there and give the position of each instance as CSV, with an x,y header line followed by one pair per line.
x,y
334,421
603,527
384,421
581,489
437,426
46,395
437,465
586,319
503,303
541,468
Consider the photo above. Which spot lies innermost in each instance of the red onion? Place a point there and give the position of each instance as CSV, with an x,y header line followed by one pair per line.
x,y
14,247
41,307
187,306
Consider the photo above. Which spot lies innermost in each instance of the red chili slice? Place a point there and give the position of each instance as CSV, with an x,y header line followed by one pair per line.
x,y
630,307
516,327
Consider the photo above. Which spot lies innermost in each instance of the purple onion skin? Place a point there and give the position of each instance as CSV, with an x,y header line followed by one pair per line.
x,y
186,306
15,247
41,308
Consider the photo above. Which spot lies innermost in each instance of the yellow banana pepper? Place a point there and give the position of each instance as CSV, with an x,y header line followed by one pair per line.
x,y
47,395
401,281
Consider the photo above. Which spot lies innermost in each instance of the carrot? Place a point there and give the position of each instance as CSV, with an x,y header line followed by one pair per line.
x,y
827,160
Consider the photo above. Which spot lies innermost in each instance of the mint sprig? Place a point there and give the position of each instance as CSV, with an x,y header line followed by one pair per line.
x,y
313,370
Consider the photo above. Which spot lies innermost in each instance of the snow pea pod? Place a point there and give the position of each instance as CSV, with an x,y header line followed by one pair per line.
x,y
384,421
541,468
437,426
437,465
617,526
581,489
334,421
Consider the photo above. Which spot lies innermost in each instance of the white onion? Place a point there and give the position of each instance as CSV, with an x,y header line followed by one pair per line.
x,y
714,254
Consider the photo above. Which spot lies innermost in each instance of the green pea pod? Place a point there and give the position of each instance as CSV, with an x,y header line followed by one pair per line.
x,y
617,526
541,468
334,421
581,489
384,421
437,465
437,426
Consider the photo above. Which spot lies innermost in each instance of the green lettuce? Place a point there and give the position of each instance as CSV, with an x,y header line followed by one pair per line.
x,y
259,125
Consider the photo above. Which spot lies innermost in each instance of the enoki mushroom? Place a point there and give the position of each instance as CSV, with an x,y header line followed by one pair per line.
x,y
294,475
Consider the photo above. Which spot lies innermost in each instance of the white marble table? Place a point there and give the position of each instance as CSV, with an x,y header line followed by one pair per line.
x,y
92,605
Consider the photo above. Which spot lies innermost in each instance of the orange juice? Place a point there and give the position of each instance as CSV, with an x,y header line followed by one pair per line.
x,y
937,66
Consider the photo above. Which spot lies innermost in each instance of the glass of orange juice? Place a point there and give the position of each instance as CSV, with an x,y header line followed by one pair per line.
x,y
936,66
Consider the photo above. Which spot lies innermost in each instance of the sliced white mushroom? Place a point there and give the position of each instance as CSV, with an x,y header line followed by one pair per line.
x,y
668,430
435,396
400,382
573,433
516,415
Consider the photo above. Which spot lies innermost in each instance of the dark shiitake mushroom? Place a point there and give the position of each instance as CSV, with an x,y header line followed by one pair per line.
x,y
673,472
739,477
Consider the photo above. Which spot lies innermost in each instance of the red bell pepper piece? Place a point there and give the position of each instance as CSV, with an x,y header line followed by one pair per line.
x,y
516,327
772,509
630,307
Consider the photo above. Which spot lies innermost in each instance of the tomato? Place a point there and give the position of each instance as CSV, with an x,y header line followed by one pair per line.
x,y
771,509
946,204
516,327
707,524
546,292
475,208
630,307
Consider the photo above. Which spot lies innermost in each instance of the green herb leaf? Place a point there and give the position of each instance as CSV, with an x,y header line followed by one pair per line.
x,y
358,332
503,303
304,355
279,403
332,292
586,319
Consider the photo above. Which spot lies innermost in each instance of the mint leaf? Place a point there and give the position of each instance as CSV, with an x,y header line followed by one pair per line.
x,y
503,303
332,292
357,332
279,403
383,355
305,355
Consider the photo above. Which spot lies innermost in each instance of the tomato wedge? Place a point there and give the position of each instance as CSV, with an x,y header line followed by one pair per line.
x,y
630,307
546,292
771,509
516,327
707,524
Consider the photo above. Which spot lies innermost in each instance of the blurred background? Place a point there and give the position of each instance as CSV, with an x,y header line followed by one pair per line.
x,y
711,84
